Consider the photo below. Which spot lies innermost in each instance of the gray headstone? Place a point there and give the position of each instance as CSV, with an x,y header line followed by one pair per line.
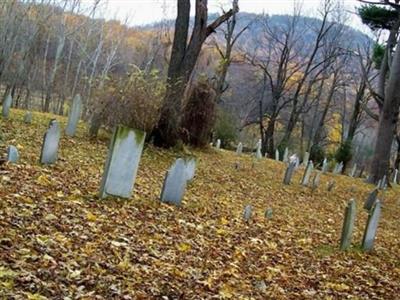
x,y
372,197
247,213
371,228
306,158
307,173
51,140
122,163
325,166
289,173
353,170
190,168
268,213
74,116
348,225
239,149
6,107
218,144
316,180
277,155
396,176
286,155
174,183
258,149
28,117
12,154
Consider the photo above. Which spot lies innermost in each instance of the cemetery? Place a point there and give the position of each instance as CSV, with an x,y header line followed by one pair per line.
x,y
120,219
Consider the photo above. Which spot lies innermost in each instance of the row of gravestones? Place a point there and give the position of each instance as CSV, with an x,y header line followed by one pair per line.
x,y
373,206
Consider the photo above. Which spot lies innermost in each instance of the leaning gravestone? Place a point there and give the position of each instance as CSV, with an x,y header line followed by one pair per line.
x,y
316,180
239,149
51,140
74,116
6,107
12,154
174,183
306,158
28,118
353,170
122,163
190,168
286,155
371,228
348,225
289,173
218,144
248,211
307,173
277,155
370,202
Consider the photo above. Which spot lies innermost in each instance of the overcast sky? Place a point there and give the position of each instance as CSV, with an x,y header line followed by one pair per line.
x,y
142,12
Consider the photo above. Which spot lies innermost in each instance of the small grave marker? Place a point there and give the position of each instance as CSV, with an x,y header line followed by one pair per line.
x,y
175,183
218,144
6,107
247,213
307,173
348,225
370,202
268,213
28,117
239,149
51,140
289,173
12,154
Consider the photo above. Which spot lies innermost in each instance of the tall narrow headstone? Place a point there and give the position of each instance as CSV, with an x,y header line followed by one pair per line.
x,y
51,140
12,154
258,149
286,155
239,149
325,166
371,227
122,163
307,173
306,158
353,170
6,107
28,117
396,176
174,183
247,213
316,180
370,202
74,116
289,173
348,225
277,155
218,144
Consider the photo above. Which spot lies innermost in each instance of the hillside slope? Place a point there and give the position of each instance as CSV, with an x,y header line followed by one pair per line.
x,y
57,240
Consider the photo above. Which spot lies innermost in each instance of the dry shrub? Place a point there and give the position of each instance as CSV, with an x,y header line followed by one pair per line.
x,y
133,100
199,115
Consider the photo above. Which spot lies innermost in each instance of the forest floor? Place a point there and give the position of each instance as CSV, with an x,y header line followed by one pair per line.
x,y
59,241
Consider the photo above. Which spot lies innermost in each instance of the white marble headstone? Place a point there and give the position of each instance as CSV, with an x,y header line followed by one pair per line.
x,y
50,144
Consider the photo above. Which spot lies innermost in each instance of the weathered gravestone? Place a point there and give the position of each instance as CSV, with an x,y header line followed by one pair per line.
x,y
286,155
325,166
331,185
348,225
277,155
6,107
289,173
239,149
247,213
258,149
122,163
218,144
28,118
316,180
51,140
74,116
174,183
353,170
371,227
382,183
307,173
306,158
396,176
12,154
190,168
268,213
370,202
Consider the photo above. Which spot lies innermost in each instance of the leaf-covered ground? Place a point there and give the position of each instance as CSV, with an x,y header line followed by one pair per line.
x,y
59,241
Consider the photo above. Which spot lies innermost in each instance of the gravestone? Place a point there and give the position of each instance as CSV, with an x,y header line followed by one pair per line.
x,y
190,168
348,225
12,154
396,176
277,155
258,149
353,170
307,173
28,117
174,183
286,155
6,107
122,163
331,185
325,166
268,214
289,173
316,180
371,227
247,213
382,183
306,158
51,140
74,116
218,144
239,149
370,202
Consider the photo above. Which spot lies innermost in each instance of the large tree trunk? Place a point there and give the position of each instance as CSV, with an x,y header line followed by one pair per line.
x,y
387,123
